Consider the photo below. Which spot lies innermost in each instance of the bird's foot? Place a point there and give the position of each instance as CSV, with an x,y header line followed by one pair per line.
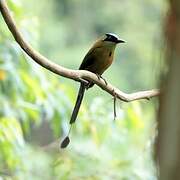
x,y
89,85
100,77
85,82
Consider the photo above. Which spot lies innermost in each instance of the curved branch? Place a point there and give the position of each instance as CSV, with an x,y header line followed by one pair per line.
x,y
77,75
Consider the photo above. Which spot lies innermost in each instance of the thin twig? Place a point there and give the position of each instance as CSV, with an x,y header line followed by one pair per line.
x,y
115,115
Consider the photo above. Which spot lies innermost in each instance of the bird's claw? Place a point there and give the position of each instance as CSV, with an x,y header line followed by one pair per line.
x,y
85,82
100,77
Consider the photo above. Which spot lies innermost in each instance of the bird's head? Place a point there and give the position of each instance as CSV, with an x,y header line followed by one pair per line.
x,y
112,38
109,40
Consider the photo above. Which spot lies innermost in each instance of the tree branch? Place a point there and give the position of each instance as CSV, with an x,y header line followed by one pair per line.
x,y
77,75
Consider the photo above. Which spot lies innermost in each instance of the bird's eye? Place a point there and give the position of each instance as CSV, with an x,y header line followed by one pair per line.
x,y
107,38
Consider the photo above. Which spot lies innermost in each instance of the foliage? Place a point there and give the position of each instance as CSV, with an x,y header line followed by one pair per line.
x,y
36,105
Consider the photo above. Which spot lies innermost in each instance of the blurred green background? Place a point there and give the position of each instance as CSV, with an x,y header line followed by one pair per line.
x,y
36,105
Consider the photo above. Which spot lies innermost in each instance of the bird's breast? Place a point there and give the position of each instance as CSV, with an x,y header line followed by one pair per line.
x,y
104,60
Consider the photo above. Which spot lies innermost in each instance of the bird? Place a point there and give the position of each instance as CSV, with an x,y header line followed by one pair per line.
x,y
97,60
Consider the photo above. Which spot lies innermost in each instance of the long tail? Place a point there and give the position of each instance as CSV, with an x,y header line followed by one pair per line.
x,y
82,88
78,103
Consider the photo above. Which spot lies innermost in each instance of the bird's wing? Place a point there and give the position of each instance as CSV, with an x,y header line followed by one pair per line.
x,y
88,59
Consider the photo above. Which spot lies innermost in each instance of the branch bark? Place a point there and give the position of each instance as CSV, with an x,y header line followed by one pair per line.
x,y
77,75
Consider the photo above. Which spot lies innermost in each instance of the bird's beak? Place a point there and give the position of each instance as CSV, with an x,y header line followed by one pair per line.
x,y
120,41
